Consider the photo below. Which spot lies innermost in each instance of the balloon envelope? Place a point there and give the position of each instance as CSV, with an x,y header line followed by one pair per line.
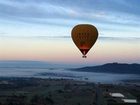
x,y
84,36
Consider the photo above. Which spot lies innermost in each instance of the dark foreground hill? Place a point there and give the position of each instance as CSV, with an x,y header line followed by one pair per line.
x,y
113,68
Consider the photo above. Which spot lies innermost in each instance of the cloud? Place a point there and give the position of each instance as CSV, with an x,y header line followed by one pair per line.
x,y
108,15
44,37
120,11
120,38
2,33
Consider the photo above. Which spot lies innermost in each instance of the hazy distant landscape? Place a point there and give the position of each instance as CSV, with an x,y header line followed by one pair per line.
x,y
111,72
43,83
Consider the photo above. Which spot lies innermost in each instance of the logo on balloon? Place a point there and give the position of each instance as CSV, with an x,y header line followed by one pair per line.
x,y
84,36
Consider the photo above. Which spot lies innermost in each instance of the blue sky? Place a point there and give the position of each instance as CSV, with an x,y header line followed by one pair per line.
x,y
33,18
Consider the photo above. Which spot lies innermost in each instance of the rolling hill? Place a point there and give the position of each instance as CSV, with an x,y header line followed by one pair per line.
x,y
119,68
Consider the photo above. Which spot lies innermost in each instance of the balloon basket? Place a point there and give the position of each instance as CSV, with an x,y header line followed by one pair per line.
x,y
84,56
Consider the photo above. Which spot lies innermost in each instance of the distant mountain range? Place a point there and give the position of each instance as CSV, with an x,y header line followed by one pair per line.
x,y
28,64
118,68
33,64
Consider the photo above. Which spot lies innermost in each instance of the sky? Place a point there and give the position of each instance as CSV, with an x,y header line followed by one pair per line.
x,y
41,30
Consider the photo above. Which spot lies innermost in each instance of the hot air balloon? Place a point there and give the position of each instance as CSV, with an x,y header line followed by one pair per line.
x,y
84,36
